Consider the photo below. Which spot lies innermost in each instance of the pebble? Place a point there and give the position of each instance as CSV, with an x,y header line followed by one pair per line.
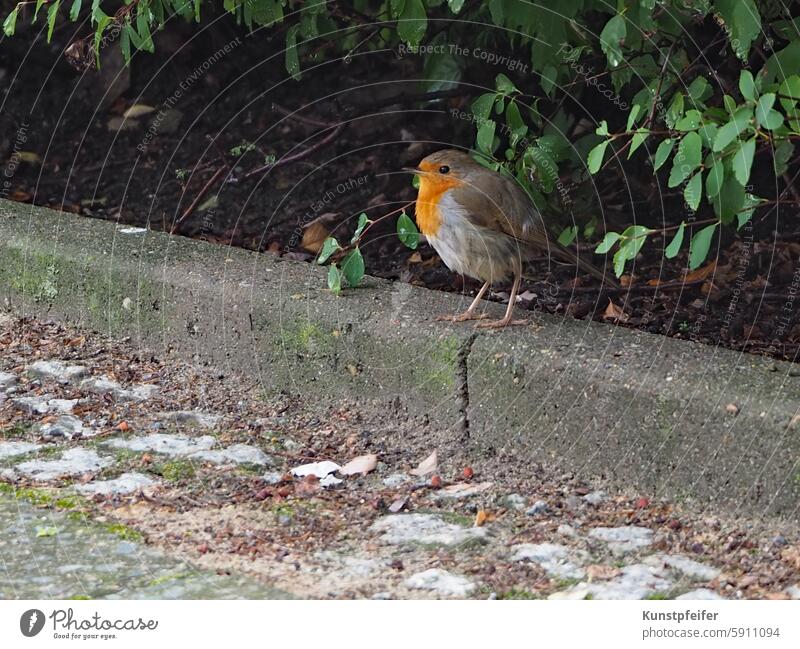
x,y
516,501
566,530
106,385
74,461
425,529
43,405
10,449
7,379
124,484
272,477
442,582
396,479
57,370
539,507
66,426
595,498
700,593
622,540
553,558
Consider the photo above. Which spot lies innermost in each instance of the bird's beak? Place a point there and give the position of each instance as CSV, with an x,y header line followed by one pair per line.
x,y
412,170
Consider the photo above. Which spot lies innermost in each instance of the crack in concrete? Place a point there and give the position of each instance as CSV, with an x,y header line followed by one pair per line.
x,y
463,384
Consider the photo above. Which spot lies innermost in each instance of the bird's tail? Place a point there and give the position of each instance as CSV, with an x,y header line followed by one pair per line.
x,y
581,261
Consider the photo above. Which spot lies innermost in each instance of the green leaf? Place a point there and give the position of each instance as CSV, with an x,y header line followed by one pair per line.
x,y
10,23
611,39
334,279
353,267
39,5
729,200
783,153
746,213
742,22
407,231
716,176
700,90
396,7
602,129
541,162
363,221
765,115
638,138
548,79
608,241
687,159
568,235
595,158
515,123
504,85
75,10
733,129
46,531
693,191
690,121
747,85
674,246
52,14
700,245
790,92
485,138
482,106
675,110
125,43
631,118
662,153
413,22
455,5
743,161
329,246
292,61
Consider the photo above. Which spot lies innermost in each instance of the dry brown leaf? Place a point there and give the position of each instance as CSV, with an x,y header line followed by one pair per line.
x,y
415,258
791,555
29,156
362,464
137,110
427,466
483,517
600,571
466,488
613,312
315,232
700,273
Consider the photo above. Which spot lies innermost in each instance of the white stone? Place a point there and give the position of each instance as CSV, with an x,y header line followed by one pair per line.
x,y
272,477
566,530
700,593
57,370
793,591
43,405
125,484
516,501
424,528
234,454
553,558
74,461
636,581
396,479
462,490
330,480
10,449
106,385
684,564
622,540
192,418
7,379
67,426
595,497
442,582
165,443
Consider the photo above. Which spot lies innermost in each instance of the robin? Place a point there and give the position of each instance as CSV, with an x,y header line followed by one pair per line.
x,y
482,224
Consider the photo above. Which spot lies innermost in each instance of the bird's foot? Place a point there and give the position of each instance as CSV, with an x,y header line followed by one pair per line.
x,y
500,324
463,317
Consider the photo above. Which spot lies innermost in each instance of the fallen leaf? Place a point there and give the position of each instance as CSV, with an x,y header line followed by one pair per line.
x,y
791,555
613,312
137,110
427,466
20,196
415,258
308,486
319,469
29,156
123,426
316,231
461,489
483,517
732,409
468,473
398,505
46,531
700,273
599,571
436,482
362,464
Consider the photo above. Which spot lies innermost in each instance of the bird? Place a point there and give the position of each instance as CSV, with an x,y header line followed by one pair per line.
x,y
484,225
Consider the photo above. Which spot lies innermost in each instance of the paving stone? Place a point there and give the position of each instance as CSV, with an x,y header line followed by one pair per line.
x,y
106,385
165,443
425,529
235,454
43,405
553,558
124,484
10,449
192,418
684,564
622,540
636,581
700,593
68,427
58,371
74,461
442,582
7,379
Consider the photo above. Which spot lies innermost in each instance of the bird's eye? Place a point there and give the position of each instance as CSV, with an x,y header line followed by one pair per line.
x,y
444,169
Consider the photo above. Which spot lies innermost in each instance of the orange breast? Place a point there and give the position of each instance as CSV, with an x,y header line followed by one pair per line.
x,y
431,191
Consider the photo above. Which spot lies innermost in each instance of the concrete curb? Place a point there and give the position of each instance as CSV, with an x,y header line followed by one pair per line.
x,y
645,411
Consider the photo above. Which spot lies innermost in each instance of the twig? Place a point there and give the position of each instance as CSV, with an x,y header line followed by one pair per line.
x,y
188,211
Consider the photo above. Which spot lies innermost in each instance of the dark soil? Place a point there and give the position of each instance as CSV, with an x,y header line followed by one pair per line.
x,y
155,171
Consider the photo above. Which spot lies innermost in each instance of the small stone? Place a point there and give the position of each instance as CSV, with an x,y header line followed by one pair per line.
x,y
573,503
622,540
10,449
793,591
700,593
442,582
553,558
539,507
396,479
272,477
74,461
566,530
192,418
595,497
7,379
43,405
66,426
515,501
124,484
732,409
58,371
106,385
424,529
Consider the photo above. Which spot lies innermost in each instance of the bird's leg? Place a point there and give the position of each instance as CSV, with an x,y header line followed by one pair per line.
x,y
506,319
469,314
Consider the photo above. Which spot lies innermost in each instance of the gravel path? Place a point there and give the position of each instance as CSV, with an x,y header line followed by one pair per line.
x,y
223,491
